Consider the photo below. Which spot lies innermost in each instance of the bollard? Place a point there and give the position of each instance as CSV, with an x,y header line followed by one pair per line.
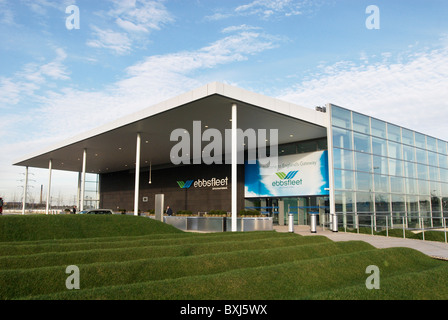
x,y
291,223
313,221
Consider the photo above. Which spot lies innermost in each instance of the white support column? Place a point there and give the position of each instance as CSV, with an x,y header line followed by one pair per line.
x,y
78,193
333,216
137,174
83,180
234,168
25,189
50,165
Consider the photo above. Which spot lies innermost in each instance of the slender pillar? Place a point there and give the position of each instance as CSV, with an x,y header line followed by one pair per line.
x,y
234,168
78,193
50,165
333,216
137,174
25,189
83,180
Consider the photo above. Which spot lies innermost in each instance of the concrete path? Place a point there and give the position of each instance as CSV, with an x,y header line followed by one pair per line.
x,y
433,249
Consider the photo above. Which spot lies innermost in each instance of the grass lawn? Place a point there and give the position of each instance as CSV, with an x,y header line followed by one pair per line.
x,y
125,257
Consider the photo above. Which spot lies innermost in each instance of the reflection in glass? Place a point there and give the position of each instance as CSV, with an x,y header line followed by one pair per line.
x,y
393,133
341,117
361,123
342,138
361,142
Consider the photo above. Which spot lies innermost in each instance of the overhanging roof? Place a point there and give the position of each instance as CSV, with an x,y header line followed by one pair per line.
x,y
112,147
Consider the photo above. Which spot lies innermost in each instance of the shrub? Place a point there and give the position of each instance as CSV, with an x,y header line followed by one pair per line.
x,y
251,212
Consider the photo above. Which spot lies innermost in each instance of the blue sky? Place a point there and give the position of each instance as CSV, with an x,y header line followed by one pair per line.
x,y
127,55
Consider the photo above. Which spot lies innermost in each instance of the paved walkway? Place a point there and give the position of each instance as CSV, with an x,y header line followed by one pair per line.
x,y
433,249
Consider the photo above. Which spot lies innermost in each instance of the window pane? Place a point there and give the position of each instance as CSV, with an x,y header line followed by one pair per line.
x,y
364,202
378,128
422,156
393,133
395,167
422,171
342,138
397,185
433,159
443,161
433,173
443,175
425,206
408,136
361,123
441,147
379,147
344,201
408,153
394,150
431,143
343,159
381,183
411,186
341,117
409,170
343,179
423,187
420,140
398,204
380,165
363,162
382,202
362,142
364,181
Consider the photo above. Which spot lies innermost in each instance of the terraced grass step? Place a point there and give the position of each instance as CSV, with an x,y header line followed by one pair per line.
x,y
406,286
292,280
42,227
140,241
14,283
145,252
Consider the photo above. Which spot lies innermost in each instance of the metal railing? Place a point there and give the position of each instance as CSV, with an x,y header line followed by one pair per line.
x,y
387,222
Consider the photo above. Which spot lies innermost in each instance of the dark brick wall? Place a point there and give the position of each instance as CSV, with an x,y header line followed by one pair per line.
x,y
117,189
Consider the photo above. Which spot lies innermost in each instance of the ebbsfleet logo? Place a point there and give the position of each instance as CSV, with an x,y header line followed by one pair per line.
x,y
289,176
215,183
287,179
185,185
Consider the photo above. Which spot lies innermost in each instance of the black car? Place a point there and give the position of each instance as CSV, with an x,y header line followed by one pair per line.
x,y
97,211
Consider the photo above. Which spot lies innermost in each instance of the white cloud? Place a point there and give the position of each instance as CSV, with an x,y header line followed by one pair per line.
x,y
269,8
132,20
31,78
140,15
411,92
118,42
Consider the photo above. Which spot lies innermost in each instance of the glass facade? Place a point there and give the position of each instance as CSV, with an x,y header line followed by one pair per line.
x,y
381,169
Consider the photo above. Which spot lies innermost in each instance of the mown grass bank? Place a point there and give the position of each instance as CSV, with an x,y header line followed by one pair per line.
x,y
125,257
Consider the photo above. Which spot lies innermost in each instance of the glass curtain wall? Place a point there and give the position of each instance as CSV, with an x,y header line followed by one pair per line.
x,y
381,169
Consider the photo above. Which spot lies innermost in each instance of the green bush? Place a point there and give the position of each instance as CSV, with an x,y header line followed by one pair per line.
x,y
217,213
250,212
184,213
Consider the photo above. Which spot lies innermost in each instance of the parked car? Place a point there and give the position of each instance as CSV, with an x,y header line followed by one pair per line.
x,y
97,211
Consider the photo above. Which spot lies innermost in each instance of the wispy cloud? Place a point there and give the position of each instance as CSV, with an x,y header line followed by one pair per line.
x,y
132,21
269,8
31,78
400,89
117,42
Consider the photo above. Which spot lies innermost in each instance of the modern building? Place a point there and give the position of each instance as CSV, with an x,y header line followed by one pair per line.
x,y
349,168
